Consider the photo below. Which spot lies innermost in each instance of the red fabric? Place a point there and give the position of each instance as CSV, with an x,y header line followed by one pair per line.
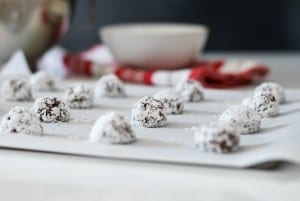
x,y
76,65
207,72
210,76
134,75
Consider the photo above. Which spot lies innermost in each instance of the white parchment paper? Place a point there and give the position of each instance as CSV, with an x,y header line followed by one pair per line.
x,y
279,139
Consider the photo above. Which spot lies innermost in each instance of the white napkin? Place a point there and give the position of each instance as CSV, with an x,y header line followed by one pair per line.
x,y
16,66
52,62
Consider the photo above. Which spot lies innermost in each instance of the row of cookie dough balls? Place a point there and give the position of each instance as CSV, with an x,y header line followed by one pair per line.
x,y
54,109
20,89
112,127
77,97
152,111
223,136
263,104
49,109
23,119
109,128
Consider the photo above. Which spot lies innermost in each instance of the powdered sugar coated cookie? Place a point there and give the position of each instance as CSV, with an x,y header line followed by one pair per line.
x,y
172,101
51,109
263,103
112,128
149,112
274,88
16,89
42,81
190,90
110,86
79,97
21,120
216,138
244,119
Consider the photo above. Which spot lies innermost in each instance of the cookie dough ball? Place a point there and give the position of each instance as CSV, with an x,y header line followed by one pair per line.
x,y
149,112
110,86
172,101
244,119
274,88
112,128
16,89
216,138
190,90
42,81
21,120
263,103
79,97
51,109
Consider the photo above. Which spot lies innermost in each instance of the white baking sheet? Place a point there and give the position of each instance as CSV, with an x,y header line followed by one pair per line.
x,y
279,139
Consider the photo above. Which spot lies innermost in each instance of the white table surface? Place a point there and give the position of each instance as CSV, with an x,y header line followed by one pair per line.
x,y
41,176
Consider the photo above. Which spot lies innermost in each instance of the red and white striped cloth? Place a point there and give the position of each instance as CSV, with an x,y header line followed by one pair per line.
x,y
97,61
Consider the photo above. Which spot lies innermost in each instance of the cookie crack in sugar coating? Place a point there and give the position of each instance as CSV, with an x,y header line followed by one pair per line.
x,y
149,112
51,109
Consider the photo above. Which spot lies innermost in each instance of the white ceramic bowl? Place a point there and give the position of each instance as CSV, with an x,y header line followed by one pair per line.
x,y
160,45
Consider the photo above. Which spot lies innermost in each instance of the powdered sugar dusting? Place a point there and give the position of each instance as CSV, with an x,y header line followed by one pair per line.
x,y
112,128
21,120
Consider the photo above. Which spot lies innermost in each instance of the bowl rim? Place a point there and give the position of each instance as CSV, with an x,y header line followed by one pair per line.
x,y
130,29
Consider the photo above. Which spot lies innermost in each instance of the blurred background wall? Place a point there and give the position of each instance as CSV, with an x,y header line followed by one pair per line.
x,y
234,24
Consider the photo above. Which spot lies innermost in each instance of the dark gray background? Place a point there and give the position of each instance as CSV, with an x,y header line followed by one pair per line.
x,y
234,24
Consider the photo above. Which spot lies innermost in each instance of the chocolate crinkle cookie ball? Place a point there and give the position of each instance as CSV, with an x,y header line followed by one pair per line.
x,y
190,90
149,112
172,101
112,128
263,103
21,120
79,97
274,88
244,119
216,138
51,109
16,89
110,86
42,81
